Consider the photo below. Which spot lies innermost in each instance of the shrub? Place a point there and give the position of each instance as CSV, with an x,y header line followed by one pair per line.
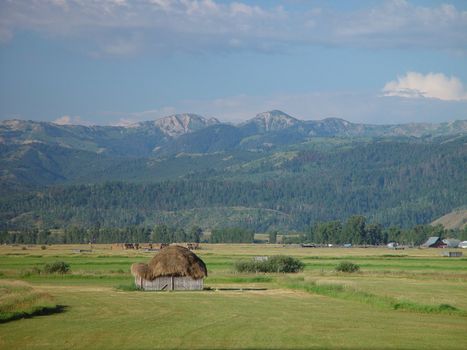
x,y
43,247
57,267
30,272
246,266
277,263
346,266
285,264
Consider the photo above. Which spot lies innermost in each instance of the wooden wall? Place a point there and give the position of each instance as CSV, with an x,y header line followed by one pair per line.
x,y
170,283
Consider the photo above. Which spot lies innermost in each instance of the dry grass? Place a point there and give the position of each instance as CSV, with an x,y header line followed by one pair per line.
x,y
19,300
392,303
277,319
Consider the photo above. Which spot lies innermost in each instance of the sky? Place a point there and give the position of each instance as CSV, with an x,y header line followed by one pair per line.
x,y
117,62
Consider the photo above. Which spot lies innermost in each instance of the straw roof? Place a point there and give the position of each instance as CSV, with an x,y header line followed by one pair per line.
x,y
139,269
173,261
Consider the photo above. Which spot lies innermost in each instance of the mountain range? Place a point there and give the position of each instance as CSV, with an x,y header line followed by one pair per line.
x,y
273,171
194,133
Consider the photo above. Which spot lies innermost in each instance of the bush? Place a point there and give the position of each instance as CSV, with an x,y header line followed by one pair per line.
x,y
29,272
57,267
346,266
277,263
43,247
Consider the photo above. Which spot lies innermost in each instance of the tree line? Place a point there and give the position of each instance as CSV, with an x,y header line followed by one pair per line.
x,y
355,230
157,234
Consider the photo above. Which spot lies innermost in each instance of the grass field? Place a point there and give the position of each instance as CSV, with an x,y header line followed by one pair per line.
x,y
409,299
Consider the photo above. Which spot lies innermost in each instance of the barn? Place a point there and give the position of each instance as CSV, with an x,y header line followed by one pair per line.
x,y
173,268
433,242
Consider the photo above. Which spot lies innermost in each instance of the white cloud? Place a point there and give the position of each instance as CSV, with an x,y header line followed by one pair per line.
x,y
164,4
164,26
71,120
431,85
238,8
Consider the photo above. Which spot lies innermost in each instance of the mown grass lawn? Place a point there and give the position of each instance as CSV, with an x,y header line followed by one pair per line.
x,y
357,316
107,319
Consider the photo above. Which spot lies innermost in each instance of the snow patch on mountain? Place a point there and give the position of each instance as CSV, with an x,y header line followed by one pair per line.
x,y
272,121
179,124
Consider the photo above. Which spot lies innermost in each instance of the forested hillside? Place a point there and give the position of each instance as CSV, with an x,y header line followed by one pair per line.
x,y
392,181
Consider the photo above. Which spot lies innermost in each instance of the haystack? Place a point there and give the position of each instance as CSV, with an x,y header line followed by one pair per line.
x,y
174,267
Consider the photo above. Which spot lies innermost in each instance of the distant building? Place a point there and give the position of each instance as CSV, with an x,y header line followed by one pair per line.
x,y
433,242
451,242
452,254
260,258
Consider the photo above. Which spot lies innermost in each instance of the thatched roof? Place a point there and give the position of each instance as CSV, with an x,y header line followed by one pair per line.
x,y
173,261
139,269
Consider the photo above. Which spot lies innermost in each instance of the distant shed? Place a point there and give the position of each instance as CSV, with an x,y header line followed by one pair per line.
x,y
173,268
260,258
452,254
451,242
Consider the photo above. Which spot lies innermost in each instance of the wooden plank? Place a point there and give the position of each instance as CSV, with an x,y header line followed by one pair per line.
x,y
171,283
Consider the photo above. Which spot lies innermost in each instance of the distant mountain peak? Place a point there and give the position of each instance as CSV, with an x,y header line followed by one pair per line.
x,y
275,113
272,121
179,124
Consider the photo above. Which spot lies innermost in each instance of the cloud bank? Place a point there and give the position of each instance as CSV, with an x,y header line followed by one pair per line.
x,y
431,85
123,27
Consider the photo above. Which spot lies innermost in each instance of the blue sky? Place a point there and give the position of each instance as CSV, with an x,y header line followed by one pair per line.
x,y
118,62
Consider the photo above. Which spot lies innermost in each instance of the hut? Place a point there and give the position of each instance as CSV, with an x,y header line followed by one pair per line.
x,y
173,268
